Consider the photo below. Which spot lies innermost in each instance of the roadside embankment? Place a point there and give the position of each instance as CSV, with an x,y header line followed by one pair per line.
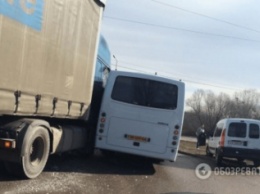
x,y
188,146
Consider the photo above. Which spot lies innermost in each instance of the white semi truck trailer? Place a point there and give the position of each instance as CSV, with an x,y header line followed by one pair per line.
x,y
48,52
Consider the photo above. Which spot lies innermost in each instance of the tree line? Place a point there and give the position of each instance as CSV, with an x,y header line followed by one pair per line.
x,y
207,108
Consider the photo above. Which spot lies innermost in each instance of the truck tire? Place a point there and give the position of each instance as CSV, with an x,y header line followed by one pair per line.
x,y
36,149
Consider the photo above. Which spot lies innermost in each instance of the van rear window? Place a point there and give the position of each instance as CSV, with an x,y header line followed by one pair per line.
x,y
254,131
237,130
144,92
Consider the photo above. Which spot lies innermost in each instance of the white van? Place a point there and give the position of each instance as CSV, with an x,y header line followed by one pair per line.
x,y
235,138
141,115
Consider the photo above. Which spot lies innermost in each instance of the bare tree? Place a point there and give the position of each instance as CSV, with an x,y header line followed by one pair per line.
x,y
208,108
195,103
223,102
246,103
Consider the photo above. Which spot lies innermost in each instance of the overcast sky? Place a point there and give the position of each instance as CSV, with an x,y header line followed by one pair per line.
x,y
208,44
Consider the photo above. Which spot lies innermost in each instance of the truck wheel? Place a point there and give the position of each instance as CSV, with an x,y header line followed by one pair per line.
x,y
208,152
36,149
218,158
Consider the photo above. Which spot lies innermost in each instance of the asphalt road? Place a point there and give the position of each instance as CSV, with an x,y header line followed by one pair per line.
x,y
74,173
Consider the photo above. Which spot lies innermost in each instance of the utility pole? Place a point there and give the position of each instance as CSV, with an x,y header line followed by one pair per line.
x,y
116,61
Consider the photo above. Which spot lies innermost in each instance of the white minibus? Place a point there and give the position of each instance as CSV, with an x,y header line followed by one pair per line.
x,y
141,115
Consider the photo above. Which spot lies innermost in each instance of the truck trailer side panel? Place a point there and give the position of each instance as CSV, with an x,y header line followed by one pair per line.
x,y
47,56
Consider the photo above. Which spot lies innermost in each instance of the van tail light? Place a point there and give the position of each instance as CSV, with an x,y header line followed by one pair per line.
x,y
222,138
102,122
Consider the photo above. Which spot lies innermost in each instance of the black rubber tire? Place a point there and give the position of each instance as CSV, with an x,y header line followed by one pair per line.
x,y
208,152
256,163
36,149
218,158
107,153
240,160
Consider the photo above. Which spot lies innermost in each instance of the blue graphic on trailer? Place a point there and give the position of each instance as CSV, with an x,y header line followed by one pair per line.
x,y
28,12
103,60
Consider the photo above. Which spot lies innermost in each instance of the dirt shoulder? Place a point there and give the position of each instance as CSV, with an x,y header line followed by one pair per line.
x,y
189,147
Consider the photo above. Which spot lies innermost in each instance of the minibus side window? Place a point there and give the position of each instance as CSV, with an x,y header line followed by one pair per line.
x,y
254,131
237,130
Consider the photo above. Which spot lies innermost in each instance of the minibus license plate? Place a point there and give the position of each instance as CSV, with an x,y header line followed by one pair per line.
x,y
137,138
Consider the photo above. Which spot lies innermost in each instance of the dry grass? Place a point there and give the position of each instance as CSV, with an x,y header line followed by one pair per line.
x,y
190,148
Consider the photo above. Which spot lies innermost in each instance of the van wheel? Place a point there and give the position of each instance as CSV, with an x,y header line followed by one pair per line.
x,y
256,163
218,158
240,160
208,152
